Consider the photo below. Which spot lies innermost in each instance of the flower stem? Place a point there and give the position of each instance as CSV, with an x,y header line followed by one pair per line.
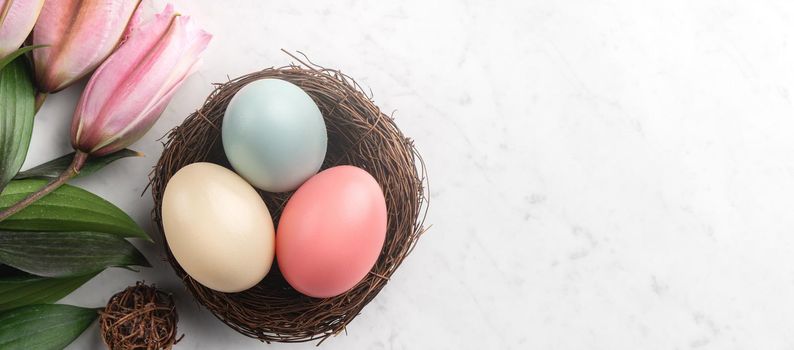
x,y
77,163
40,97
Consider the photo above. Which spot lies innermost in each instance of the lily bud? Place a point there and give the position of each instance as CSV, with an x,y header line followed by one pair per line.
x,y
130,90
17,18
79,35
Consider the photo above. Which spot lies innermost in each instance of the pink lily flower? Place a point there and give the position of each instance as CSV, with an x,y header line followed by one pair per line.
x,y
17,18
80,34
128,92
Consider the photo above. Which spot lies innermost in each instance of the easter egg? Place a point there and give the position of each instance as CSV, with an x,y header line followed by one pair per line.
x,y
217,227
331,231
274,135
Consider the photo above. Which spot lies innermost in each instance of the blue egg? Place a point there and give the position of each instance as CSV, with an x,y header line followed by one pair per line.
x,y
274,135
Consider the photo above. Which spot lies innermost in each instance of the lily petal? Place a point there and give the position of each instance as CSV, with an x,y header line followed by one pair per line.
x,y
80,35
131,89
17,18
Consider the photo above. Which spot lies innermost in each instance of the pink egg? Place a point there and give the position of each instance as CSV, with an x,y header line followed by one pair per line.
x,y
331,231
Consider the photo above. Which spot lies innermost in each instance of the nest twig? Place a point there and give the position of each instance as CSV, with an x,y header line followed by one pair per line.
x,y
140,317
358,134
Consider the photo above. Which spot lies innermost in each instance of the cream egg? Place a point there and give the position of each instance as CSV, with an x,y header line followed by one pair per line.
x,y
217,227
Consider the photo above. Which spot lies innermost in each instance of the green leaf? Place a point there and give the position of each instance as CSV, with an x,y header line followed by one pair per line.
x,y
56,166
65,254
43,327
8,271
68,208
24,290
19,52
16,117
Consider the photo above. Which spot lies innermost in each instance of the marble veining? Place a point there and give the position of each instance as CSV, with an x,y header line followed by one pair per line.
x,y
606,174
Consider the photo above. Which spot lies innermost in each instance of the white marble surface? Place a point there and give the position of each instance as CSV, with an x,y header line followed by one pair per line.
x,y
605,174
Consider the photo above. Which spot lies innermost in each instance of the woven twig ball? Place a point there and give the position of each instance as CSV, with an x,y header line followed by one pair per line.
x,y
140,317
358,134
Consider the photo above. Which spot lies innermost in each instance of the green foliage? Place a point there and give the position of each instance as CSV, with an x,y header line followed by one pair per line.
x,y
43,327
16,117
66,254
16,291
56,166
68,208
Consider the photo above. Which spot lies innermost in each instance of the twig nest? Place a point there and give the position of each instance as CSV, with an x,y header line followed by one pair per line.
x,y
359,134
140,317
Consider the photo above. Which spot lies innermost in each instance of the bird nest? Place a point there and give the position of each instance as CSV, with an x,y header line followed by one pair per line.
x,y
358,134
